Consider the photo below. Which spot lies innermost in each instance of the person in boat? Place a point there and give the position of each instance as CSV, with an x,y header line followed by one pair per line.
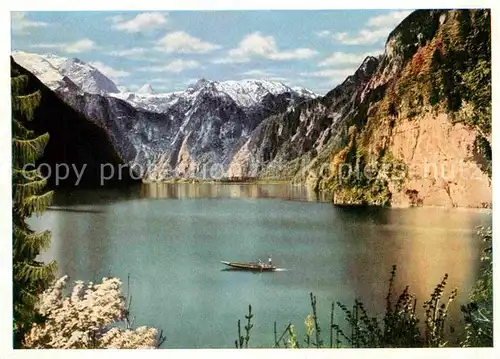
x,y
270,261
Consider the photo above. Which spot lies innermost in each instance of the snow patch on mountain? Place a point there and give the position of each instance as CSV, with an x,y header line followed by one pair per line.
x,y
41,67
51,69
245,93
87,77
146,88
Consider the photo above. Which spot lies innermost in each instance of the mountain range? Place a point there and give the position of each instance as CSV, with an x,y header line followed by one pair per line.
x,y
185,133
422,105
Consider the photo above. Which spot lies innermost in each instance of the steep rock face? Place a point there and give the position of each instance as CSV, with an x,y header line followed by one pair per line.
x,y
441,171
276,148
87,77
412,127
74,140
422,132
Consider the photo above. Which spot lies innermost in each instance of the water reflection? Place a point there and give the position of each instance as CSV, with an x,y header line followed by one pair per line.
x,y
74,233
88,198
172,248
234,190
424,244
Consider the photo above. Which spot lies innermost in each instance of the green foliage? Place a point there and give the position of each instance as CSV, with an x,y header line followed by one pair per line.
x,y
483,154
419,27
444,59
463,69
364,182
435,315
478,312
400,327
243,340
30,276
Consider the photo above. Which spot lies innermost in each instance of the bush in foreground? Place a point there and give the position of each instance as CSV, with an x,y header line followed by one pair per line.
x,y
88,318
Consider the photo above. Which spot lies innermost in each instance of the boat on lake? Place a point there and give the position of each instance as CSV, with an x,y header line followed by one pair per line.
x,y
251,266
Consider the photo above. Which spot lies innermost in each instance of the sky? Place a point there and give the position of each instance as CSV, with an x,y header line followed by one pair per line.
x,y
171,50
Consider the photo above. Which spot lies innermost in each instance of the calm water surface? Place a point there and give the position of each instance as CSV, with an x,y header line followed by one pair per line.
x,y
172,237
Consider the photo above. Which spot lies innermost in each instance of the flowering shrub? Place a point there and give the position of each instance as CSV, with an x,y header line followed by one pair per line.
x,y
85,318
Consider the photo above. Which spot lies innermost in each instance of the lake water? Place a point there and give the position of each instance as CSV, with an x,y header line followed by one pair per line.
x,y
172,237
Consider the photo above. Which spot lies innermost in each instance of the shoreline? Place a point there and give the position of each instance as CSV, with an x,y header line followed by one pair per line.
x,y
258,181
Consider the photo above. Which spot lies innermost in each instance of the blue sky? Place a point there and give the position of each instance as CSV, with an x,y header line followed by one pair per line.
x,y
170,50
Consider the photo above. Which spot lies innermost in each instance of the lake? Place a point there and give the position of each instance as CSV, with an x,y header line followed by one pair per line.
x,y
171,238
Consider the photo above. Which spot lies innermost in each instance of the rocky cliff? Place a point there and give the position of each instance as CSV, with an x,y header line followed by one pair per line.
x,y
415,131
284,143
426,117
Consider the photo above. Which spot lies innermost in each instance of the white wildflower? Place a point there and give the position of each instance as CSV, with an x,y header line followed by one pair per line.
x,y
85,319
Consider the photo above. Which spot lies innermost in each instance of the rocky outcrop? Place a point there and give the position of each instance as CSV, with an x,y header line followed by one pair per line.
x,y
441,168
74,140
412,127
422,132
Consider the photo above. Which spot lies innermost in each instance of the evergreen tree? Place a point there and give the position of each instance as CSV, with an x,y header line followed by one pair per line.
x,y
29,197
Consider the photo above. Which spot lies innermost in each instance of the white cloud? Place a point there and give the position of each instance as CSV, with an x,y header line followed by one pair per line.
x,y
391,19
376,29
329,73
281,79
345,58
263,74
332,76
183,43
324,33
297,54
256,45
20,24
257,72
363,37
47,46
72,48
144,21
175,66
109,71
161,80
79,46
134,51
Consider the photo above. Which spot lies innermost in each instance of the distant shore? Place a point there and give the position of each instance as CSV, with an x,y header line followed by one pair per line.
x,y
264,181
245,180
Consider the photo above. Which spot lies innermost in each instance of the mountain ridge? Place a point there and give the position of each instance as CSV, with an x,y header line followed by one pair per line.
x,y
426,98
195,130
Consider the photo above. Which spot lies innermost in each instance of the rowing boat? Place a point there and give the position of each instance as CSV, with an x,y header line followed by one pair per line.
x,y
260,267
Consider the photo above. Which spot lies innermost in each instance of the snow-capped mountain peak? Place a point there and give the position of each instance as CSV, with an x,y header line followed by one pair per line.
x,y
249,92
51,69
198,85
245,93
88,77
146,88
41,67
